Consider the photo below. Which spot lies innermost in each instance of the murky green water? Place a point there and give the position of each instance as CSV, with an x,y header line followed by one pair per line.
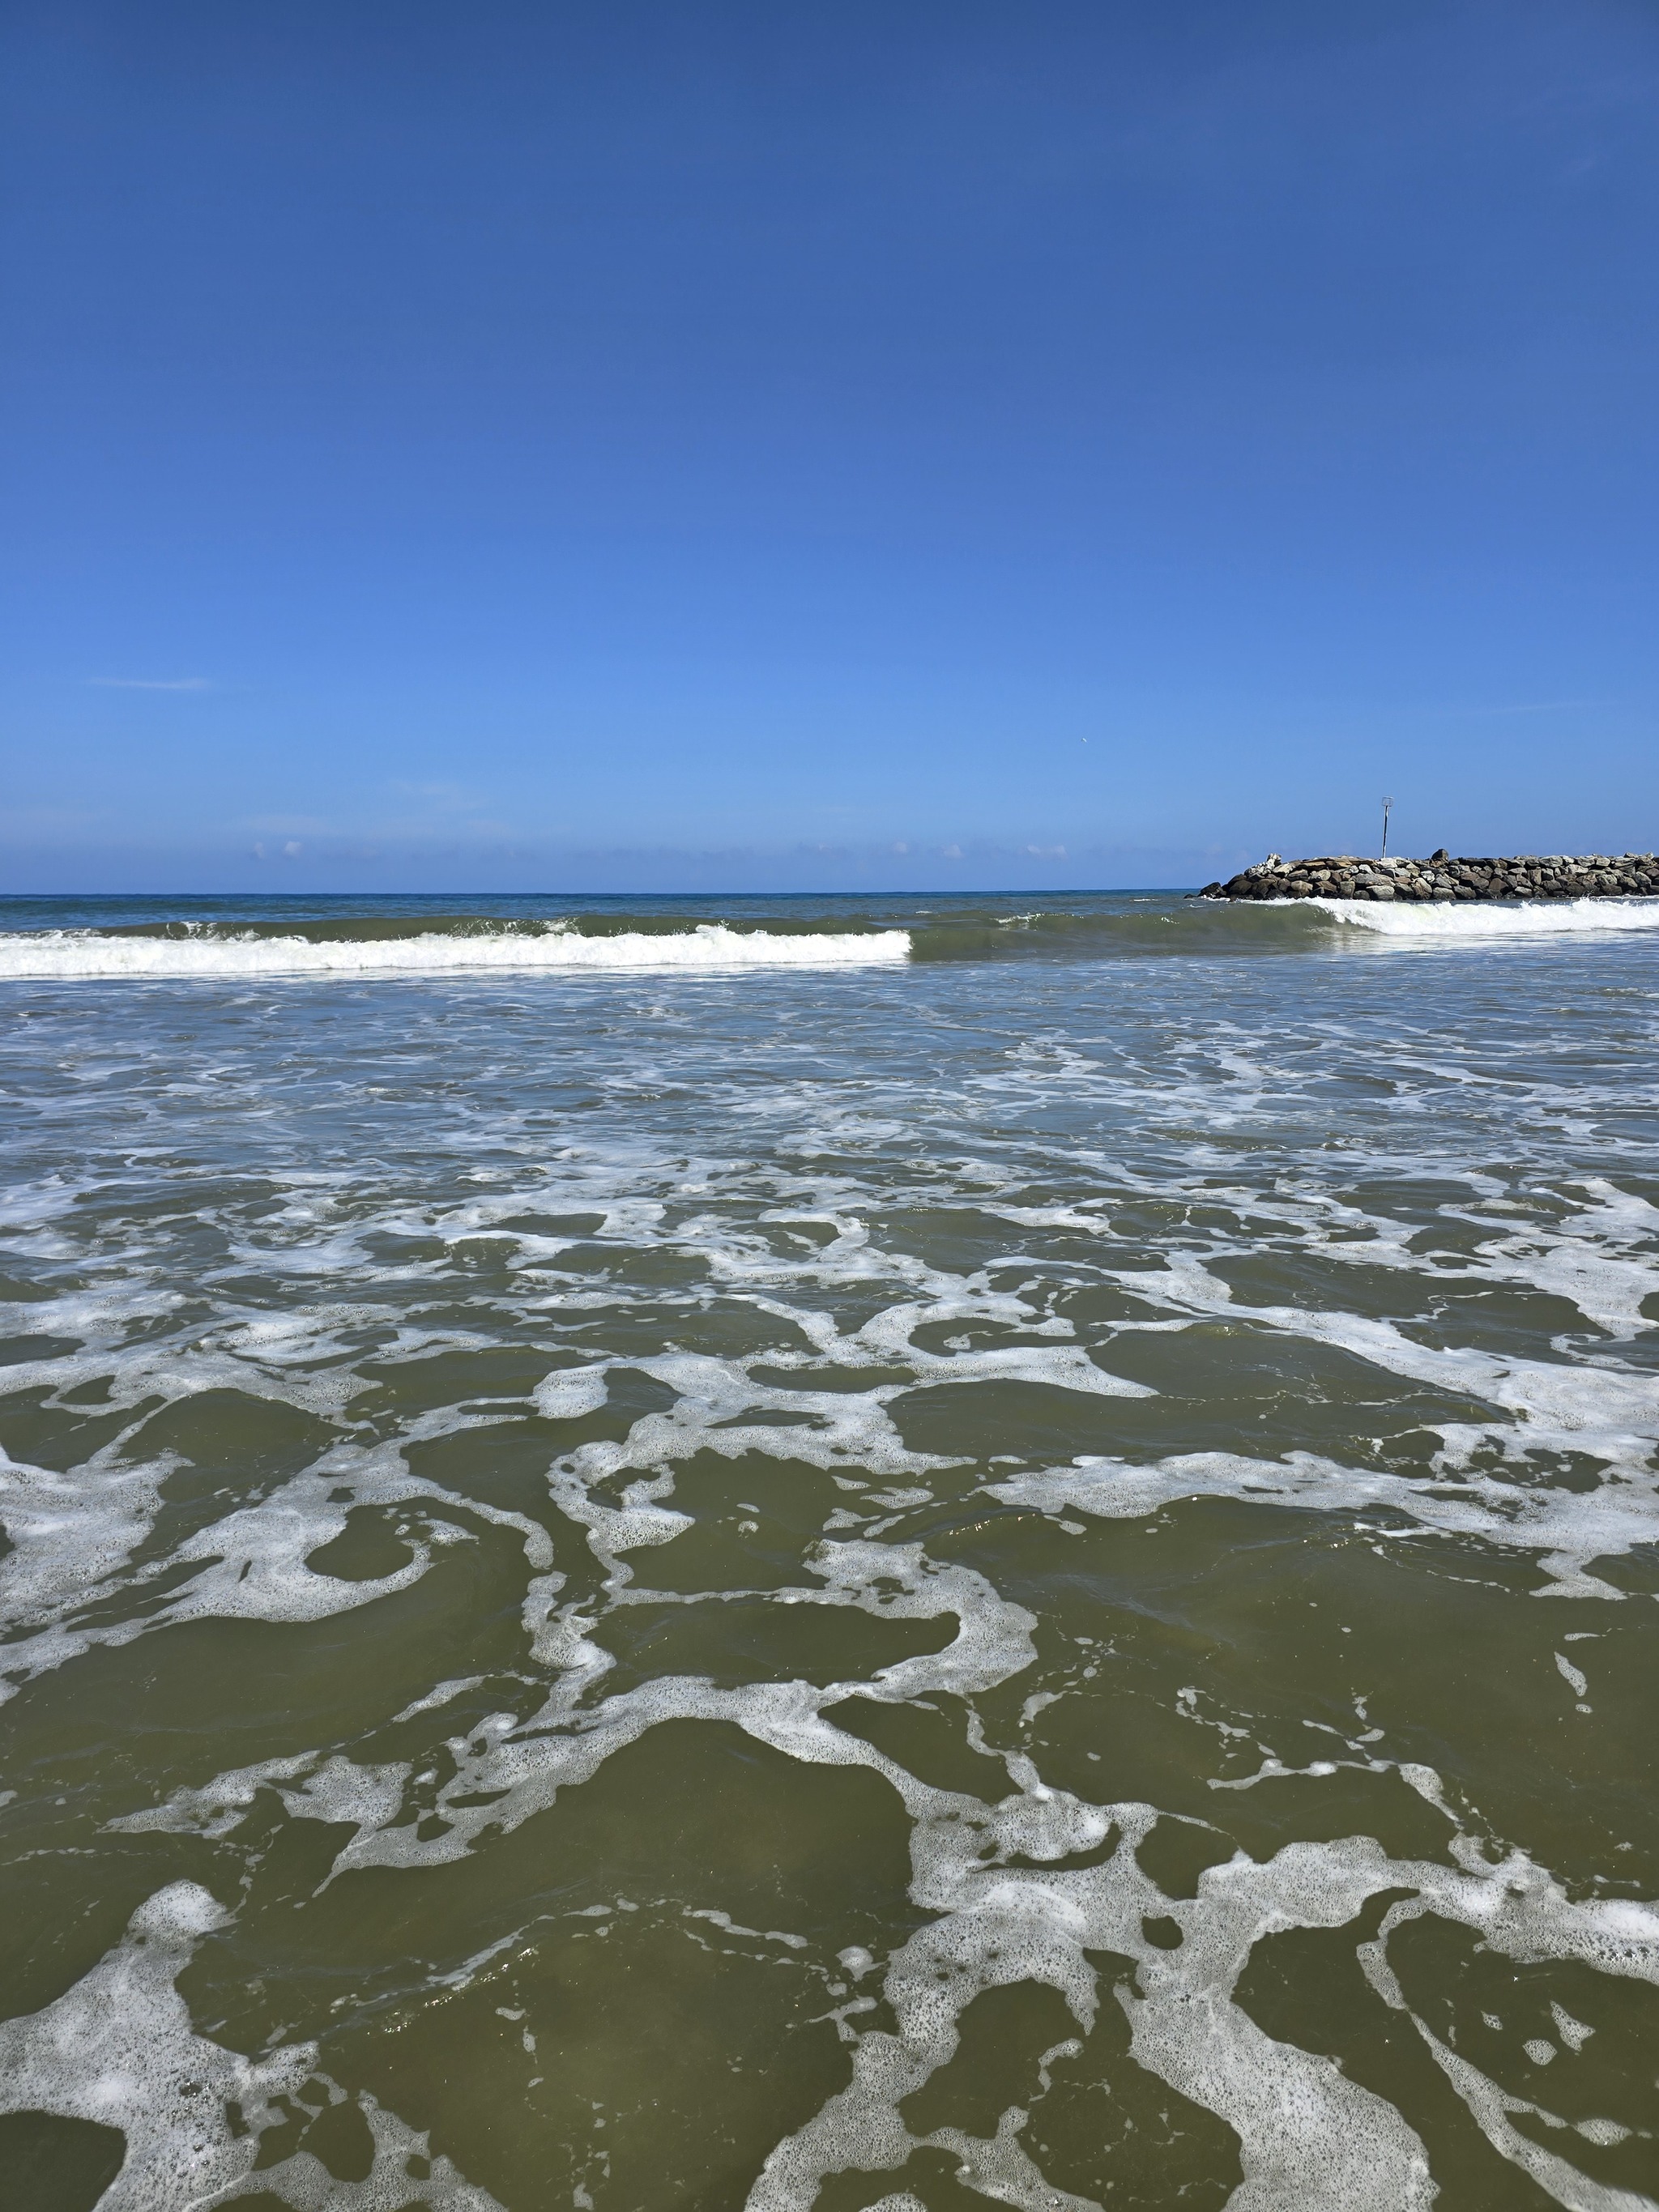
x,y
1022,1578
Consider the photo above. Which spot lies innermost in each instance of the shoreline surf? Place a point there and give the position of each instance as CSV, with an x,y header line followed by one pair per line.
x,y
152,941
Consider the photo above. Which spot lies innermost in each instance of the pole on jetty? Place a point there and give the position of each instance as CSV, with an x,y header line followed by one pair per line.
x,y
1387,809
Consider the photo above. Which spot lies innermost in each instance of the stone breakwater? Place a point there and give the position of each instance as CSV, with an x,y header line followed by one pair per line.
x,y
1528,876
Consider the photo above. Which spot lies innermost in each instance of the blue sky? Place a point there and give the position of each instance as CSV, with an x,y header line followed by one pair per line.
x,y
703,446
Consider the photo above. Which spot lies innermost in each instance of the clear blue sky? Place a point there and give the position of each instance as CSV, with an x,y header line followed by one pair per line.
x,y
820,444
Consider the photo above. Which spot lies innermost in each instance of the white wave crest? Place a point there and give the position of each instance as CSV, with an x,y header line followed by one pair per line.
x,y
1471,921
64,955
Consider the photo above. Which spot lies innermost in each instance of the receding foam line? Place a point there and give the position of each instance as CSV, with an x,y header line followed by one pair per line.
x,y
1460,925
64,955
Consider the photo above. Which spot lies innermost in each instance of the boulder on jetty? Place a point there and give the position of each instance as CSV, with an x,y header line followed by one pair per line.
x,y
1442,879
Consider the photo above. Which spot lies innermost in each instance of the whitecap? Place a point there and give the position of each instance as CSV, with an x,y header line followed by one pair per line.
x,y
1473,922
64,955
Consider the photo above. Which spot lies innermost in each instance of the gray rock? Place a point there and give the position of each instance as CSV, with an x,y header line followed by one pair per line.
x,y
1441,878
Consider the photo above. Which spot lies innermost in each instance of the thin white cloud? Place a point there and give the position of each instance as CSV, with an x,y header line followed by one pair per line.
x,y
152,683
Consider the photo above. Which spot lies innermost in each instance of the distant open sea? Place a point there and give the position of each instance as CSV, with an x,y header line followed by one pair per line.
x,y
872,1554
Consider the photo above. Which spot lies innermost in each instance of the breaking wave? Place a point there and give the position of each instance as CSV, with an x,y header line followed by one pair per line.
x,y
62,955
1471,922
341,939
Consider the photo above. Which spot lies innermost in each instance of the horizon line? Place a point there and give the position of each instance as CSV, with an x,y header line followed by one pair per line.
x,y
989,890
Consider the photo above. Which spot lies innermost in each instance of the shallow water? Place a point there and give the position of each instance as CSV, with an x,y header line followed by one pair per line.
x,y
1023,1575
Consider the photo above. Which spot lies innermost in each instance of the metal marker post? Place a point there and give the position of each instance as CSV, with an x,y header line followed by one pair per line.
x,y
1387,809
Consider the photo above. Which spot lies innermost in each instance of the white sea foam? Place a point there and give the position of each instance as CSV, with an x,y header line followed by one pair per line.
x,y
68,1532
704,1237
118,2048
1470,922
1568,1528
1307,2136
251,1564
1004,1913
66,955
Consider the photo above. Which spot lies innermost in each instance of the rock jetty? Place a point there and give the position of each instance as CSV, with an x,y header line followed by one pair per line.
x,y
1442,878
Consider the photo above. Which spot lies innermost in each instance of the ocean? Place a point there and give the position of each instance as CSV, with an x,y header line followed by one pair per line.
x,y
867,1553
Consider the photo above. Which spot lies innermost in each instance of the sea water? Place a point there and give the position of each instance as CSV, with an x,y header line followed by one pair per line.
x,y
859,1553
